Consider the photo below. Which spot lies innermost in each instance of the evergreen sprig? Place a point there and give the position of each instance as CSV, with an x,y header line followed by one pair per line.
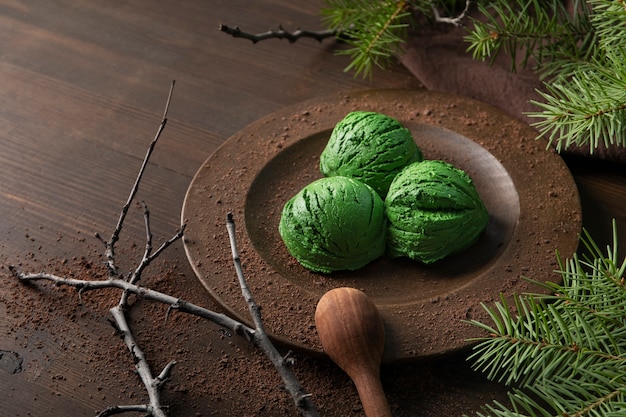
x,y
609,19
579,54
542,30
374,30
589,107
564,353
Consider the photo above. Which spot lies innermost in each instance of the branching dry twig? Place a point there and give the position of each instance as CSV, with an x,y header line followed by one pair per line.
x,y
129,285
153,385
110,244
257,336
456,21
235,32
142,292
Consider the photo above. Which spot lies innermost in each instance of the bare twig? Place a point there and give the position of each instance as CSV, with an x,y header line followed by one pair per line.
x,y
235,32
320,35
153,385
129,285
110,244
301,398
120,409
456,21
148,255
142,292
257,336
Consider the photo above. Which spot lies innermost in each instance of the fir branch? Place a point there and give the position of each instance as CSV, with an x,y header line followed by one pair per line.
x,y
609,19
543,31
565,352
589,108
580,54
374,30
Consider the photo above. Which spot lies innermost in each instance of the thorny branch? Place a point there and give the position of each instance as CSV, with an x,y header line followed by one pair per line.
x,y
129,285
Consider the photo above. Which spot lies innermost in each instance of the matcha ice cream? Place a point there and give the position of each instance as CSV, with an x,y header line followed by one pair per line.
x,y
370,147
334,223
433,210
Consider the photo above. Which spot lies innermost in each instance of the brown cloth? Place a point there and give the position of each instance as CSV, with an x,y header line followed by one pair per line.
x,y
438,57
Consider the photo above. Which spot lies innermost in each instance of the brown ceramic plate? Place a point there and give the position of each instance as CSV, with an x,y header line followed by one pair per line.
x,y
530,195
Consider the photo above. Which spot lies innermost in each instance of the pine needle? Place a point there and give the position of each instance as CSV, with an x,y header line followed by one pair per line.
x,y
374,30
563,353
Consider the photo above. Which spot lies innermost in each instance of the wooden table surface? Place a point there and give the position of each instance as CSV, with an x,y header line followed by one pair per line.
x,y
82,90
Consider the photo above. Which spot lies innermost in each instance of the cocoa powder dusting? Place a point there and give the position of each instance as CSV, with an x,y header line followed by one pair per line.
x,y
217,373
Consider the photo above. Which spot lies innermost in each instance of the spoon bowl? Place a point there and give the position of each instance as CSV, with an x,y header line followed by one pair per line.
x,y
353,336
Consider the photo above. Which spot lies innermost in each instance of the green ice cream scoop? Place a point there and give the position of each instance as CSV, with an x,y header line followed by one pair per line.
x,y
370,147
333,224
434,210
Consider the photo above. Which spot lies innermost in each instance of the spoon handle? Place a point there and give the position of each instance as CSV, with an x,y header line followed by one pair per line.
x,y
371,394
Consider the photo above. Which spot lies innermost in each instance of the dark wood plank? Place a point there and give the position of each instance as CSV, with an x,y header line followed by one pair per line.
x,y
82,90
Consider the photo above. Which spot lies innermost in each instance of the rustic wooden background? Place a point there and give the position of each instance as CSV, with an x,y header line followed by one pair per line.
x,y
82,90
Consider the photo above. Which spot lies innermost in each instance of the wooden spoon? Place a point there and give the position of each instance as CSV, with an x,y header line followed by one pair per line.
x,y
352,334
